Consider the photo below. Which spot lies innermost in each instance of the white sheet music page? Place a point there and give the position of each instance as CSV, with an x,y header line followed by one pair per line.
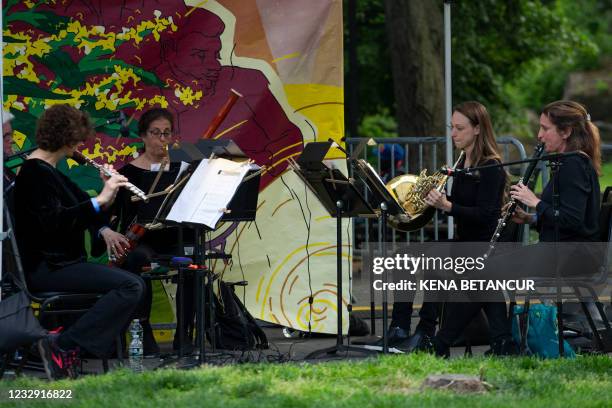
x,y
209,192
185,204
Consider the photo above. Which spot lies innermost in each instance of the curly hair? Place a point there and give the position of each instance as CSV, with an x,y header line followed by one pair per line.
x,y
62,125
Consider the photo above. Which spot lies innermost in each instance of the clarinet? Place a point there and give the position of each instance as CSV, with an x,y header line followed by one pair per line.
x,y
82,159
503,221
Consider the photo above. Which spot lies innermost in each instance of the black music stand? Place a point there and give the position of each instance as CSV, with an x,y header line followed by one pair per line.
x,y
203,149
242,207
380,198
341,200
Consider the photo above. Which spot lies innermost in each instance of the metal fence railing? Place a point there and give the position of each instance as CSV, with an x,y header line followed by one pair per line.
x,y
391,157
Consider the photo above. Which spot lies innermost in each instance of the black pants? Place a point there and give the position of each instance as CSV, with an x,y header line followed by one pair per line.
x,y
428,316
96,330
459,315
143,255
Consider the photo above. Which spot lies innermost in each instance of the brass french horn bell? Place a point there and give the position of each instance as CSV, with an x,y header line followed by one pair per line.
x,y
410,190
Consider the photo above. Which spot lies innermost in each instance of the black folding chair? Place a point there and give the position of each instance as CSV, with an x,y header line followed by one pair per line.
x,y
577,286
51,303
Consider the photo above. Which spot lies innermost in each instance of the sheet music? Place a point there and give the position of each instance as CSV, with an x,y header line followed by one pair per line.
x,y
374,172
208,192
184,205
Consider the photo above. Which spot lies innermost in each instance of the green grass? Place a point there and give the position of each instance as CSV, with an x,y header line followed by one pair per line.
x,y
384,382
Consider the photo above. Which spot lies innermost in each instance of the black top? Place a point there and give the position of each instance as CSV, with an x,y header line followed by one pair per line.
x,y
128,211
51,216
579,203
476,202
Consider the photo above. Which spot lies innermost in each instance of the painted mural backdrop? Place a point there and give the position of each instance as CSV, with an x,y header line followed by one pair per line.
x,y
284,57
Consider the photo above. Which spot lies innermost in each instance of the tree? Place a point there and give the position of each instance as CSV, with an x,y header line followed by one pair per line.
x,y
415,32
507,54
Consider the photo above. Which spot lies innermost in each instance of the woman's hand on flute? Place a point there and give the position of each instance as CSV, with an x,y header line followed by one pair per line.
x,y
109,192
106,170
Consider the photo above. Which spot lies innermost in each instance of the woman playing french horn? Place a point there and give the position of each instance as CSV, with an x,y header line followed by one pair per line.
x,y
475,204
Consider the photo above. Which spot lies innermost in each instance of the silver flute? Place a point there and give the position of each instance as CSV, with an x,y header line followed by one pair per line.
x,y
82,159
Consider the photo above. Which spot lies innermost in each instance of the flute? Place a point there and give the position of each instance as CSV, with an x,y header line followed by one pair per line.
x,y
82,159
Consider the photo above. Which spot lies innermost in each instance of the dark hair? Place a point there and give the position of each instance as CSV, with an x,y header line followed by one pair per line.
x,y
62,125
152,115
584,135
485,145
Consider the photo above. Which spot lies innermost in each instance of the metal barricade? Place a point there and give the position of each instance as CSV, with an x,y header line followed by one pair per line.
x,y
393,159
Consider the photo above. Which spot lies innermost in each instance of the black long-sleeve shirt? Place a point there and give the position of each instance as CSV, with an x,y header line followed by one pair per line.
x,y
162,240
51,216
476,202
579,203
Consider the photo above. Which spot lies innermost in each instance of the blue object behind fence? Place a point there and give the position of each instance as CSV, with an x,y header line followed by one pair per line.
x,y
542,331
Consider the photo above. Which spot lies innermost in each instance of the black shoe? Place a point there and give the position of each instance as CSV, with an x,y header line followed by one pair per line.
x,y
424,343
441,350
58,363
419,341
395,335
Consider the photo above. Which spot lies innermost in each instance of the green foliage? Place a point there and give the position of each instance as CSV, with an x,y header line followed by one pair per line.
x,y
381,124
375,79
515,54
510,55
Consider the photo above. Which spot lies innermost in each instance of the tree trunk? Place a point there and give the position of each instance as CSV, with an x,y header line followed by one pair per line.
x,y
416,34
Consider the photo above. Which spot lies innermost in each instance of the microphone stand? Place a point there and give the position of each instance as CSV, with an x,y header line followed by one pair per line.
x,y
556,205
471,171
121,119
19,155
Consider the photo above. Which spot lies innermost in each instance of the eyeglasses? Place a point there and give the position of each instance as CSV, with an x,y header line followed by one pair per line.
x,y
159,133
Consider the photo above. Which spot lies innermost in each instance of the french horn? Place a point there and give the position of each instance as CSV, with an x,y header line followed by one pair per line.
x,y
410,190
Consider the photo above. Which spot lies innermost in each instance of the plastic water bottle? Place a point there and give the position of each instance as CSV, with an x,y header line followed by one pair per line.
x,y
135,349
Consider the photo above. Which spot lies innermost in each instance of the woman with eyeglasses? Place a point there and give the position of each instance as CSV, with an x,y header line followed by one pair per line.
x,y
155,128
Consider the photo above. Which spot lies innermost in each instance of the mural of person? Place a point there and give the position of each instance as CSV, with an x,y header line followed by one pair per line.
x,y
186,58
134,55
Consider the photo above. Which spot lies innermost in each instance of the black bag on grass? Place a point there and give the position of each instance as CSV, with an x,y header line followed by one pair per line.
x,y
235,328
18,326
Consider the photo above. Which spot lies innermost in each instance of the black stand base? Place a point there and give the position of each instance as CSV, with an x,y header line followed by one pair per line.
x,y
339,348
